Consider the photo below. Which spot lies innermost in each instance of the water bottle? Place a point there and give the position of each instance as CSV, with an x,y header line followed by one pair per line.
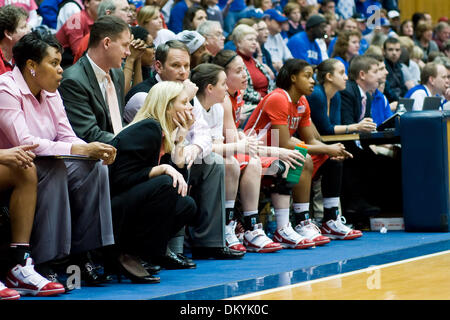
x,y
271,226
293,175
401,109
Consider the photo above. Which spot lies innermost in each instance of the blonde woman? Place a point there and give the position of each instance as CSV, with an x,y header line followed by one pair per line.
x,y
148,188
417,56
149,17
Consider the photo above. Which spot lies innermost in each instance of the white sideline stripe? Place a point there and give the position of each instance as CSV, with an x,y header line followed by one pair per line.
x,y
250,295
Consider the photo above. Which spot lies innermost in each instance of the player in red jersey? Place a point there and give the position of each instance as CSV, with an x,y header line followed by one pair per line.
x,y
269,157
279,118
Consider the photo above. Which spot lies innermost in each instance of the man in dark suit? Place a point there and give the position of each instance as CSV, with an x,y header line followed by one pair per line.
x,y
93,88
355,107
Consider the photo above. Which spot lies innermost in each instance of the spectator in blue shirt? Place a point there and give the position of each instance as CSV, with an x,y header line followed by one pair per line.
x,y
178,12
325,101
364,7
304,45
347,46
380,109
235,12
348,25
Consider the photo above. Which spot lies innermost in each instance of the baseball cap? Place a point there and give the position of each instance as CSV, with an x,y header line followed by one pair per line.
x,y
192,39
275,15
359,17
393,14
258,14
315,20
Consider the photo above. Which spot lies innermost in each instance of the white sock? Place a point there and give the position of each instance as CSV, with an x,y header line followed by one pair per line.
x,y
250,213
301,207
282,217
331,202
229,204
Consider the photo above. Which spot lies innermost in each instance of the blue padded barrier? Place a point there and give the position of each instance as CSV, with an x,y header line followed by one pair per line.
x,y
425,170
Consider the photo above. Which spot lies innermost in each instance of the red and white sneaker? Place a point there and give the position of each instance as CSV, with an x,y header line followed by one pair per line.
x,y
27,281
7,293
337,230
231,240
258,241
310,231
288,238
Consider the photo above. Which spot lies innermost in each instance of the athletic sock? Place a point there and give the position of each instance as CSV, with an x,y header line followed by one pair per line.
x,y
282,217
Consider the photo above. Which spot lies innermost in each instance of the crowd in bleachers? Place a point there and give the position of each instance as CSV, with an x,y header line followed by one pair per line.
x,y
135,134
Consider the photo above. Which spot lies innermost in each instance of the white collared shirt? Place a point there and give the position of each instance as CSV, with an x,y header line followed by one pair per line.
x,y
363,93
213,117
100,75
419,97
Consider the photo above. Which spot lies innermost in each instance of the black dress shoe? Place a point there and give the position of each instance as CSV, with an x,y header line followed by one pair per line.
x,y
187,260
172,261
91,276
132,268
150,267
224,253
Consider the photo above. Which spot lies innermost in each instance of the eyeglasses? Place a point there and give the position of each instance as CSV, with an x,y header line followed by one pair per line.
x,y
217,34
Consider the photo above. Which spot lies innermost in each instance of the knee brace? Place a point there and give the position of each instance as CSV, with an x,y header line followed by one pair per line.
x,y
279,184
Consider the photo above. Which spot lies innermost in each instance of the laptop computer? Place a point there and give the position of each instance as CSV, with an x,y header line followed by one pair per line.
x,y
389,123
407,103
431,103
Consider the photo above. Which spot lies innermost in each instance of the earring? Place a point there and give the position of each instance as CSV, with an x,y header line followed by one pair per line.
x,y
33,73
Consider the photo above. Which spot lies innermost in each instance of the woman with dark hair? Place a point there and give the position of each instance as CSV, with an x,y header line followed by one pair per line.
x,y
347,46
407,29
244,176
148,57
178,12
287,110
194,16
270,157
325,101
32,112
418,17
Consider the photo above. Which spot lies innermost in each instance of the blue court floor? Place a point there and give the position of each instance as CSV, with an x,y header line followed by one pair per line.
x,y
214,279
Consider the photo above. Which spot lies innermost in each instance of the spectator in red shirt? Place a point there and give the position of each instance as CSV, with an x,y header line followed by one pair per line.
x,y
259,82
74,29
13,26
